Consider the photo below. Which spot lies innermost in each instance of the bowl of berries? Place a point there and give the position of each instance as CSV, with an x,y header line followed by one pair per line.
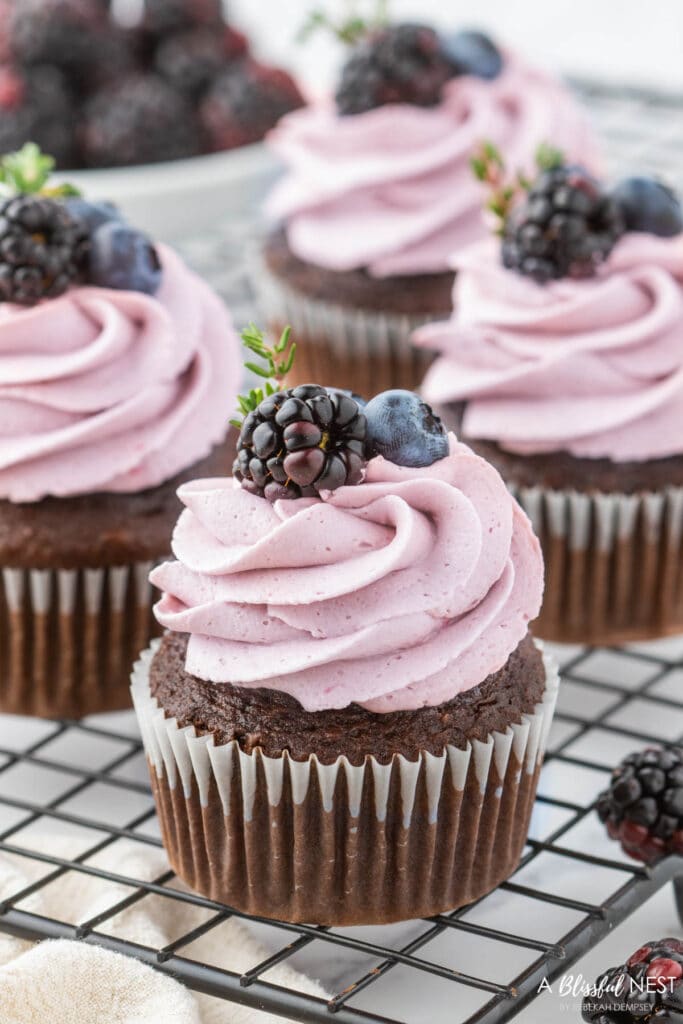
x,y
164,112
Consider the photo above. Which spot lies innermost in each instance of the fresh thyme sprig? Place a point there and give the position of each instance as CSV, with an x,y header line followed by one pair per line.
x,y
278,360
27,172
488,166
351,27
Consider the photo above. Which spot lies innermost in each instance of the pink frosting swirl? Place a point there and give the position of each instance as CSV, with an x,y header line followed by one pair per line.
x,y
104,390
392,189
593,367
398,593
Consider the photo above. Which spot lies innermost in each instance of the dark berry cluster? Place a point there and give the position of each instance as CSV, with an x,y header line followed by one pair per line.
x,y
411,63
244,103
565,223
648,987
301,441
42,249
643,806
566,226
95,93
400,64
51,239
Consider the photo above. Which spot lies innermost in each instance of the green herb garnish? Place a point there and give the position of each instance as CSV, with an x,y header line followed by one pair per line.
x,y
27,172
488,166
351,27
278,360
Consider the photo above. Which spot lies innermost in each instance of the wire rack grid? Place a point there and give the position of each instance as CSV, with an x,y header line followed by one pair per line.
x,y
88,779
573,884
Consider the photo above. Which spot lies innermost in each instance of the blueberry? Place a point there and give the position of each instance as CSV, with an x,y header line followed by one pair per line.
x,y
403,428
472,53
93,215
123,258
649,205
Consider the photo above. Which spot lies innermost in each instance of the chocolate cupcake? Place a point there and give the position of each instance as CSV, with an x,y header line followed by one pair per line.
x,y
378,195
564,369
352,663
115,361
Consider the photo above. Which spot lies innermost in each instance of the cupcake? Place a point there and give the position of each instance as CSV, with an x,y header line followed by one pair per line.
x,y
562,365
115,361
347,658
378,195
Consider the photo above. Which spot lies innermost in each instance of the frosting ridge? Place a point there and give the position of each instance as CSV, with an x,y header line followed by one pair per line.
x,y
104,390
397,593
392,189
592,366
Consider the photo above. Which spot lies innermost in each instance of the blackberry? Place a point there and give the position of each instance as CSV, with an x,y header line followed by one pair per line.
x,y
190,61
63,33
566,227
161,17
141,120
400,64
643,807
301,441
646,988
42,249
38,107
245,102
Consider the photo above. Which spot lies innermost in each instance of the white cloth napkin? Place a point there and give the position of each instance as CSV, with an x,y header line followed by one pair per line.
x,y
66,982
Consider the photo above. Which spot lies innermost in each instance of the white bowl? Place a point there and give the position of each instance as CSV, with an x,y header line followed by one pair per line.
x,y
185,198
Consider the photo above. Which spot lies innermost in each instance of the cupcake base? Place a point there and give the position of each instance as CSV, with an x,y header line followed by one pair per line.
x,y
351,329
75,601
337,843
614,564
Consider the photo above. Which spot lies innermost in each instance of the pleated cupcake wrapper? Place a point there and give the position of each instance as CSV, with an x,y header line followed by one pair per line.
x,y
340,843
68,637
614,563
362,350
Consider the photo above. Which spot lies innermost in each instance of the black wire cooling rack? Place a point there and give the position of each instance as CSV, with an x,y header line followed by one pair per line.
x,y
478,965
573,884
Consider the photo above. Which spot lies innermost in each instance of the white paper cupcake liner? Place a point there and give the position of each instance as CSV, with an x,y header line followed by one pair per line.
x,y
340,843
614,563
68,637
364,351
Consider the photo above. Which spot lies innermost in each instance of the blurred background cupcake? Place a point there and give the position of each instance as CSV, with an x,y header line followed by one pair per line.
x,y
115,363
378,193
562,364
348,657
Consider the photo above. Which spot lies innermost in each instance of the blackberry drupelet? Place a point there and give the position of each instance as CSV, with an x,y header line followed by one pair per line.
x,y
42,249
643,807
141,120
400,64
301,441
190,61
245,102
566,227
646,988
